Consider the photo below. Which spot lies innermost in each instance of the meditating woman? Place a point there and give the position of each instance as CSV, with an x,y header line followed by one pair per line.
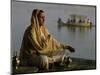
x,y
38,47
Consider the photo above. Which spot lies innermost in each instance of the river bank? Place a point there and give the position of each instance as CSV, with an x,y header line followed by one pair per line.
x,y
76,64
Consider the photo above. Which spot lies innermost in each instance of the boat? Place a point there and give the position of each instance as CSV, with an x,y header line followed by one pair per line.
x,y
76,20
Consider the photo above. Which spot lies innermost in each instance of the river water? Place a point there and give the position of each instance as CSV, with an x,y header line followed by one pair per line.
x,y
82,39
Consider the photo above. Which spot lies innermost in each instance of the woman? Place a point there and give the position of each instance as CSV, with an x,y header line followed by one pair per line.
x,y
38,47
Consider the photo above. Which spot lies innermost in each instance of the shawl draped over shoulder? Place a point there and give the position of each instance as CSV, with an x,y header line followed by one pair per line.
x,y
37,40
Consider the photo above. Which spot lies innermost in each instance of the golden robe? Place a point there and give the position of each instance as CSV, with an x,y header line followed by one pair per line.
x,y
37,41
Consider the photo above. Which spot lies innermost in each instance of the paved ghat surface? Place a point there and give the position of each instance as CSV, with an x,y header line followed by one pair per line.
x,y
77,64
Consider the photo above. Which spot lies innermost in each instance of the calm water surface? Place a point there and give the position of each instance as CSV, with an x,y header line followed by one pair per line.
x,y
82,39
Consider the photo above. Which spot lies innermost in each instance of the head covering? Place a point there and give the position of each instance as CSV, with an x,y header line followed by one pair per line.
x,y
37,38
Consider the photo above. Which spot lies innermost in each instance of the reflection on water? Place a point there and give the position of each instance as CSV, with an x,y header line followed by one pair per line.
x,y
81,38
73,29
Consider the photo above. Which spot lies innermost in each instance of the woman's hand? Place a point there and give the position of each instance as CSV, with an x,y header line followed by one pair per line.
x,y
71,49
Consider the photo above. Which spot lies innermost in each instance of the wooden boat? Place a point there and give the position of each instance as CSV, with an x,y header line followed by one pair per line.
x,y
76,20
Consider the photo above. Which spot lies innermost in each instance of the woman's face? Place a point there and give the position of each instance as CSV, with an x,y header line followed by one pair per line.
x,y
41,18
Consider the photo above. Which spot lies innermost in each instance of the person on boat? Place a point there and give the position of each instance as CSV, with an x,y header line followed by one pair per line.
x,y
39,48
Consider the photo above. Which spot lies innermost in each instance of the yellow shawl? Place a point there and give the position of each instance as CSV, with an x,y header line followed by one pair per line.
x,y
33,40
